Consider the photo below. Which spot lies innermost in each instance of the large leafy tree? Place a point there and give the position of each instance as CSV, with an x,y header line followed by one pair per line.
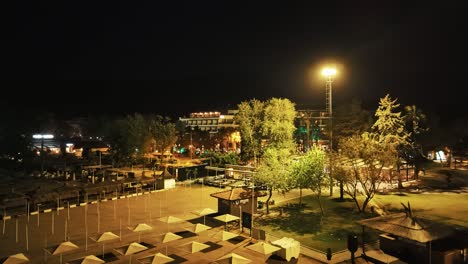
x,y
162,132
308,172
361,164
389,128
128,138
278,124
415,123
351,119
274,171
250,118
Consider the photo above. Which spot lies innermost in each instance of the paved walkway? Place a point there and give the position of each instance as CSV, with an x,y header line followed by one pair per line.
x,y
78,224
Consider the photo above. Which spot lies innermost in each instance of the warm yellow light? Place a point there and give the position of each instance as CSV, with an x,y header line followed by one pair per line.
x,y
329,72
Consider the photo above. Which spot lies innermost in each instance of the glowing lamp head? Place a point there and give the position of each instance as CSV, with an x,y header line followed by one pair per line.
x,y
47,136
329,72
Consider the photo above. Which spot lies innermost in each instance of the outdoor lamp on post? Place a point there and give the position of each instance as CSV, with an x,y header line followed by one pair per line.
x,y
329,73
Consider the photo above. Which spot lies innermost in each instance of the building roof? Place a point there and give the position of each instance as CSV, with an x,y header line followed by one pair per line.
x,y
409,227
94,144
237,194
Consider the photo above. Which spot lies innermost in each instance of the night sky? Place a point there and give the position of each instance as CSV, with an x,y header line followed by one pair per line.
x,y
85,57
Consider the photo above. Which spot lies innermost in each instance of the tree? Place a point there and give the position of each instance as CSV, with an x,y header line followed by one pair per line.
x,y
415,123
219,159
278,124
129,138
361,163
274,171
250,118
350,119
272,121
308,172
389,129
162,132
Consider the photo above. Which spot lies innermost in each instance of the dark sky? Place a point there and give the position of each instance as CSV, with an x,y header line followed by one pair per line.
x,y
173,58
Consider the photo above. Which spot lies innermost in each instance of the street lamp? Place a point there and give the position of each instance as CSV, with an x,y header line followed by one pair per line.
x,y
329,73
42,137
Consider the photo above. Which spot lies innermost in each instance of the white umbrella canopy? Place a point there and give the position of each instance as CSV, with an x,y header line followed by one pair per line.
x,y
263,248
203,212
169,236
16,259
233,258
170,219
193,246
62,248
161,258
227,218
104,237
224,235
197,228
158,258
140,228
130,249
91,259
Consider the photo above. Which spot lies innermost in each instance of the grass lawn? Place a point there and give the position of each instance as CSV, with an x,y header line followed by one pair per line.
x,y
447,205
310,228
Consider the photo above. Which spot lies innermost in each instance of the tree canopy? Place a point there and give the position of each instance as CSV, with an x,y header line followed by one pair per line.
x,y
274,171
308,171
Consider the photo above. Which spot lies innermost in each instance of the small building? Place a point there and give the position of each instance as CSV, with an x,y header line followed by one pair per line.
x,y
418,240
237,200
84,148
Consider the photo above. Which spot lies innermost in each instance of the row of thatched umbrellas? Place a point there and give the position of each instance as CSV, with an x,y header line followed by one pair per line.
x,y
136,247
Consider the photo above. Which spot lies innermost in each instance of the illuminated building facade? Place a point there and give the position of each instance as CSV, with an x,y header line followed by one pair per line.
x,y
210,121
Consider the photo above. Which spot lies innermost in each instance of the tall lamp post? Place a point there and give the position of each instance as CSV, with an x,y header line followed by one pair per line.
x,y
329,73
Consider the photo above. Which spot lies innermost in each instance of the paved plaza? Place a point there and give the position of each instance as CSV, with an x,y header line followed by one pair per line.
x,y
37,235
